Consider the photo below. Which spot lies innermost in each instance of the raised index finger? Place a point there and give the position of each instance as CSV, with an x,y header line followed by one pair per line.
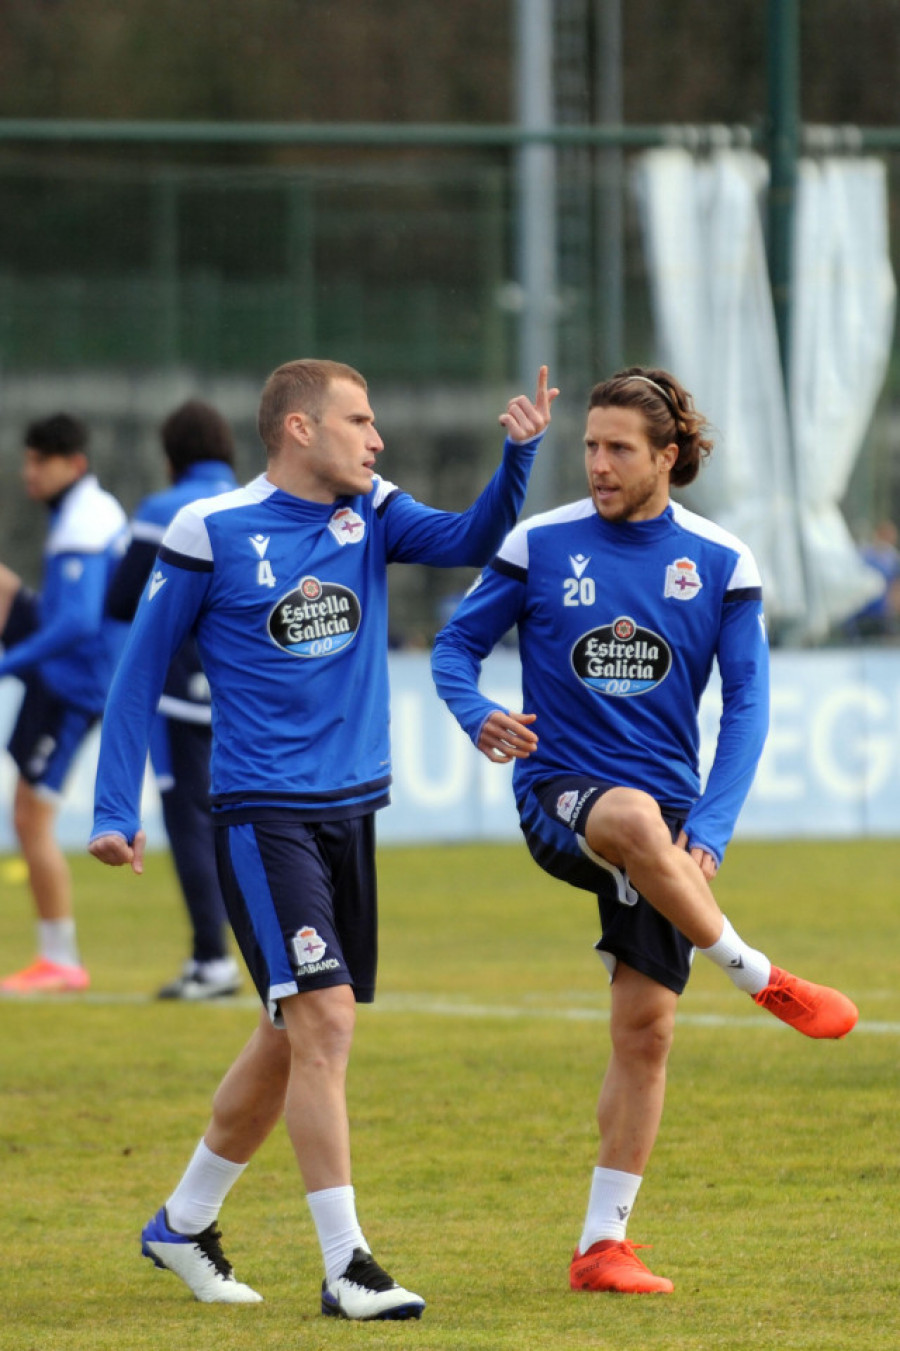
x,y
544,396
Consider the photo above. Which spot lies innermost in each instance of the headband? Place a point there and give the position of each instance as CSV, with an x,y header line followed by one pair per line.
x,y
667,398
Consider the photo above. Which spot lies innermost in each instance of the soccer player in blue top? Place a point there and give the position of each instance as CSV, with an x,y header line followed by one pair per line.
x,y
63,648
623,601
284,583
199,450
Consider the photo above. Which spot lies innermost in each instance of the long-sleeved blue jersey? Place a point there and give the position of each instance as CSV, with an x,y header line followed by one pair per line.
x,y
288,600
619,625
186,691
76,645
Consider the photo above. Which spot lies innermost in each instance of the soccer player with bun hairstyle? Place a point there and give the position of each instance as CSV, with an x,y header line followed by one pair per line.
x,y
284,583
623,601
668,412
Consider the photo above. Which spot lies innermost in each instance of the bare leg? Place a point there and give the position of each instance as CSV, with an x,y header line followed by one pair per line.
x,y
300,1071
250,1099
626,827
630,1106
320,1027
628,1114
34,819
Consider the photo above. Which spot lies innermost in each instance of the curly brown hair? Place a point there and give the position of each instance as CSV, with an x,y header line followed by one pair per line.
x,y
668,412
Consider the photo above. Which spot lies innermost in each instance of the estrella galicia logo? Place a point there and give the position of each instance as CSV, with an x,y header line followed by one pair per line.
x,y
316,619
621,658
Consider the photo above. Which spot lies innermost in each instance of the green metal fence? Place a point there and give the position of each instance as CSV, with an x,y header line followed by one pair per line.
x,y
207,253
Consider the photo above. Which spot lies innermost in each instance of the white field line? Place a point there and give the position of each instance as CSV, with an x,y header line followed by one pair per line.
x,y
430,1005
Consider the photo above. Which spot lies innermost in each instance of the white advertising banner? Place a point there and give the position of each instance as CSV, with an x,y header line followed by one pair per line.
x,y
831,767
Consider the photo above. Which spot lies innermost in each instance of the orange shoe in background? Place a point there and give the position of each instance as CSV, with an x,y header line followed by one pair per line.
x,y
44,977
611,1264
815,1010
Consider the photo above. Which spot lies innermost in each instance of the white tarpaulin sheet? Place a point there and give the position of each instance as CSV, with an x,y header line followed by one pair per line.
x,y
841,329
779,471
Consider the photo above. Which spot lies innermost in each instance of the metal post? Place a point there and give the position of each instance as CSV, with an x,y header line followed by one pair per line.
x,y
536,165
300,266
784,137
783,57
610,286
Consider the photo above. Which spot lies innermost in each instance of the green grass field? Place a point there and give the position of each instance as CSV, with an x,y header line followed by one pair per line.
x,y
771,1199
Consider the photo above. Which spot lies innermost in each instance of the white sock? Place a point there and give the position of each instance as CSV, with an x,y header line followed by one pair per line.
x,y
56,941
609,1206
750,970
198,1198
334,1214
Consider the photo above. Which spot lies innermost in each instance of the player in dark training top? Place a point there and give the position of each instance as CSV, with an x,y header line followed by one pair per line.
x,y
199,453
623,602
284,583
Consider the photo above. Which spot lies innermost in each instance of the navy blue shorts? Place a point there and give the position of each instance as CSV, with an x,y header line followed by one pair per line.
x,y
47,736
302,900
179,754
553,816
24,617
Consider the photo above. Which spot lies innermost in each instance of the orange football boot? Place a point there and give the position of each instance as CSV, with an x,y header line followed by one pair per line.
x,y
815,1010
44,977
611,1264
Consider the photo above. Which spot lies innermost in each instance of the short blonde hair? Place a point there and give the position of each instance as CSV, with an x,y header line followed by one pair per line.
x,y
298,387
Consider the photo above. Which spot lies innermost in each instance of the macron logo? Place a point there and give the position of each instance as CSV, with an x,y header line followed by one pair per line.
x,y
260,544
579,563
156,582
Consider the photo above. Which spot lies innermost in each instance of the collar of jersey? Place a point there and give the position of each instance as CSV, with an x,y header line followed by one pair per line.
x,y
207,469
299,506
633,534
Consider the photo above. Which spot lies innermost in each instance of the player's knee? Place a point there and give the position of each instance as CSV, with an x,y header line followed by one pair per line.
x,y
632,820
320,1025
644,1041
32,821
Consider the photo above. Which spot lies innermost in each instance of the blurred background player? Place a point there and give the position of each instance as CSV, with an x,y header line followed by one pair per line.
x,y
64,648
199,451
879,619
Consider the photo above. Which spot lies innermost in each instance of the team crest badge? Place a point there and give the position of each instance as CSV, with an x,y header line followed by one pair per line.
x,y
682,580
308,946
346,526
565,806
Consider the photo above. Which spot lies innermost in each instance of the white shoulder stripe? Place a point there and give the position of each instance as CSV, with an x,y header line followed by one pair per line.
x,y
257,490
188,534
746,572
149,531
88,522
514,549
381,490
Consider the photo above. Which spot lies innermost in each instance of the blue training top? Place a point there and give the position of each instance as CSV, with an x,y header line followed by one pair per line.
x,y
185,694
75,646
619,625
288,600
